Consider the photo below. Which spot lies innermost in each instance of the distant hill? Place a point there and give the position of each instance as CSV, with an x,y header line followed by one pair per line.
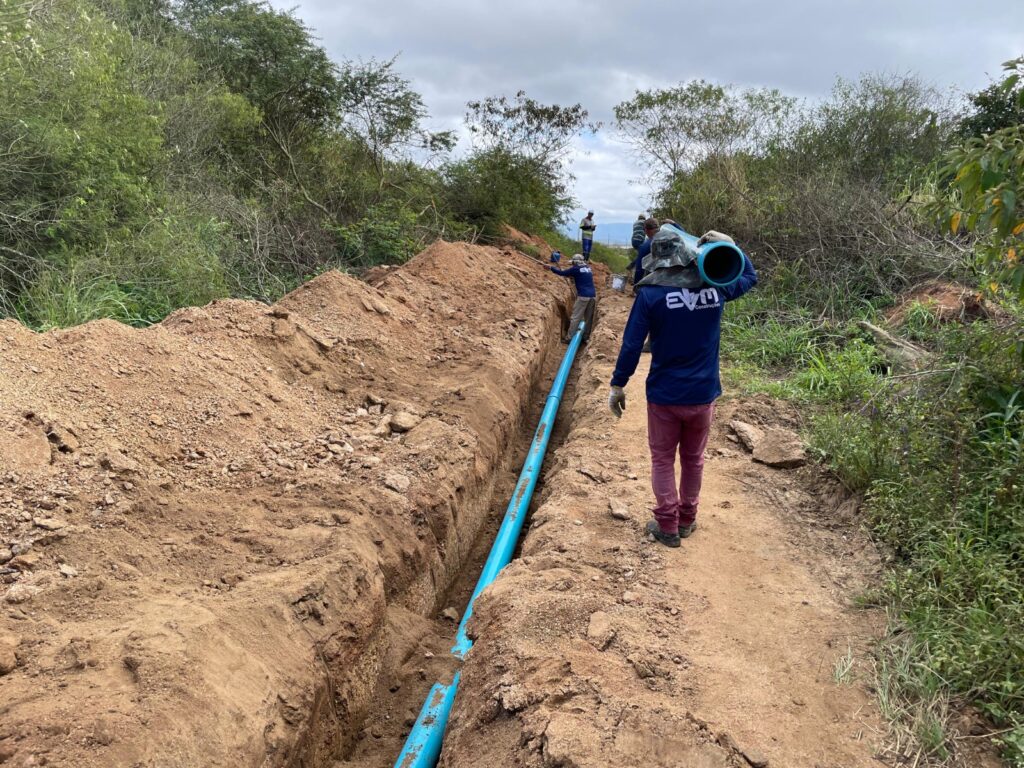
x,y
609,233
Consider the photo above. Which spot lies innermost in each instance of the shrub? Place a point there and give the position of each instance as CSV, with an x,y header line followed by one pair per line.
x,y
941,460
386,235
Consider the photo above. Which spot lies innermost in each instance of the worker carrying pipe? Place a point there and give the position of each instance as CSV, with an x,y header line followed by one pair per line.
x,y
682,314
584,309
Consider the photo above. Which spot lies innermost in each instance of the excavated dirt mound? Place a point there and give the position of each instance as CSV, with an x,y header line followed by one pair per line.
x,y
531,244
223,541
205,525
945,302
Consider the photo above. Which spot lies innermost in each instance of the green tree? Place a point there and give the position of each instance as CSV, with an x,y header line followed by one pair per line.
x,y
881,128
672,130
268,56
89,226
525,127
492,187
993,108
379,107
987,192
517,172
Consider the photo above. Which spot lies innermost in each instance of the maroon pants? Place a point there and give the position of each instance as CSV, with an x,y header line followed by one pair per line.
x,y
682,428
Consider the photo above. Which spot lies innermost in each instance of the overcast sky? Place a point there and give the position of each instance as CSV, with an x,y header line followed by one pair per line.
x,y
598,53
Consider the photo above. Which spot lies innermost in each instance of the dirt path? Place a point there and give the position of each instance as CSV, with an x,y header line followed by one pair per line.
x,y
766,627
600,647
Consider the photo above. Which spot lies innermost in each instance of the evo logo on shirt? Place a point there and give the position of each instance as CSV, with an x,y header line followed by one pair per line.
x,y
705,298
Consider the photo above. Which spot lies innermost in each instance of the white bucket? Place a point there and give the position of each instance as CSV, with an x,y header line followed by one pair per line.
x,y
619,283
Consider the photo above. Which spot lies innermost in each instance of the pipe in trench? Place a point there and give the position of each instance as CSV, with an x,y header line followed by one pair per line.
x,y
423,746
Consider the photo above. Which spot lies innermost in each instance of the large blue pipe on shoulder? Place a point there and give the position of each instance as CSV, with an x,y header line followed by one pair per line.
x,y
423,745
719,263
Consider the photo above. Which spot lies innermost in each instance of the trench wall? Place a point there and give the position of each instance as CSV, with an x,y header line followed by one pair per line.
x,y
209,519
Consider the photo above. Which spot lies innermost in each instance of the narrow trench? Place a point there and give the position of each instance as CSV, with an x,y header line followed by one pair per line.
x,y
420,655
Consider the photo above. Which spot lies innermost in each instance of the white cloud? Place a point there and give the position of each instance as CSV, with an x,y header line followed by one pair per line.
x,y
606,180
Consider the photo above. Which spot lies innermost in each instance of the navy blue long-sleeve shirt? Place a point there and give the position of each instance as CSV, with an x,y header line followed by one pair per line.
x,y
685,329
583,276
638,263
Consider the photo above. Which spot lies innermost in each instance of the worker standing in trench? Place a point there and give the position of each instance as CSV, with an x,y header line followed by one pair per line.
x,y
586,296
683,318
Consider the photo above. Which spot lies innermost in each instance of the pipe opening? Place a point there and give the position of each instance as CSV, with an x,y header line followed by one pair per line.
x,y
722,264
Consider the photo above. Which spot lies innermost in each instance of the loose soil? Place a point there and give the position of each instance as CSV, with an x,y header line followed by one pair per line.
x,y
212,528
944,301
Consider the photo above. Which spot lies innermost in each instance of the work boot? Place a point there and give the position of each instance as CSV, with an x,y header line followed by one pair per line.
x,y
668,539
686,531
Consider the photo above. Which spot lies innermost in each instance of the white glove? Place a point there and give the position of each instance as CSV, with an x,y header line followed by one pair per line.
x,y
617,401
714,237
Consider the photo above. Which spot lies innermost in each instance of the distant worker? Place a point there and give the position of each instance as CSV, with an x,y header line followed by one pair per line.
x,y
556,256
650,228
587,227
586,297
683,317
638,232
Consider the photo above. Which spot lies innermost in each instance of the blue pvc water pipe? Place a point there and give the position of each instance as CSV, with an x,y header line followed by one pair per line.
x,y
423,746
515,514
719,263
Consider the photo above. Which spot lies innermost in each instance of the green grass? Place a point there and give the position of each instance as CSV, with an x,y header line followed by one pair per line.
x,y
939,459
842,670
61,301
912,698
615,258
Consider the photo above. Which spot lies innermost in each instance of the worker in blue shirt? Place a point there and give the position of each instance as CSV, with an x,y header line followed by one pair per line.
x,y
682,315
637,265
586,297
